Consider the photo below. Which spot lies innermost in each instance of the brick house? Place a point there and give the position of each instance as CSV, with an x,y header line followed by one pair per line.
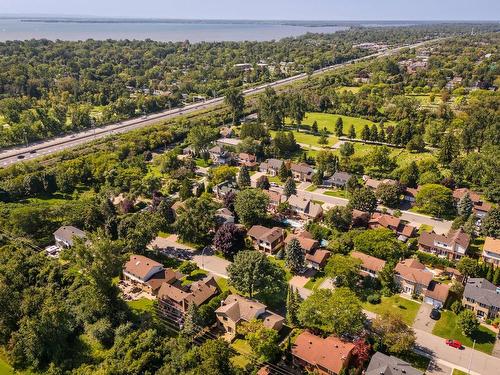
x,y
268,240
452,246
236,309
370,266
324,356
491,251
482,297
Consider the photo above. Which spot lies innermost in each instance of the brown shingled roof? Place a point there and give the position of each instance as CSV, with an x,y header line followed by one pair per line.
x,y
331,353
140,266
437,291
414,271
369,262
492,245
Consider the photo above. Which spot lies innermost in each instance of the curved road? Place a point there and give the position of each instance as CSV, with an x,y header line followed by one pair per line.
x,y
47,147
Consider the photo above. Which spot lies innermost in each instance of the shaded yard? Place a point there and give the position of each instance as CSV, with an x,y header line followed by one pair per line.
x,y
241,346
447,328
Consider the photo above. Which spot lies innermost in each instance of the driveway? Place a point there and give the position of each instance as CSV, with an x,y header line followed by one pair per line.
x,y
436,368
423,320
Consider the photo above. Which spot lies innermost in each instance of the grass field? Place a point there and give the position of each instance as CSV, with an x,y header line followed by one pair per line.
x,y
458,372
336,193
141,305
406,308
447,328
241,346
315,281
5,368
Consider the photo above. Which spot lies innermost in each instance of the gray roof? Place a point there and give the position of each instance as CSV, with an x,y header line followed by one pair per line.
x,y
382,364
342,176
274,163
67,233
482,291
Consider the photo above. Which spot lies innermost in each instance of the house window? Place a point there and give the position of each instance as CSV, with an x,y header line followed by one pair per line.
x,y
224,318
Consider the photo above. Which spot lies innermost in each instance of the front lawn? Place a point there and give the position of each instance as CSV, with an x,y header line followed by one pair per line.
x,y
311,188
418,361
337,193
315,281
425,228
406,308
458,372
447,328
196,275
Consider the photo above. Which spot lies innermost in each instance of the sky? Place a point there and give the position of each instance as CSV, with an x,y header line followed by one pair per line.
x,y
264,9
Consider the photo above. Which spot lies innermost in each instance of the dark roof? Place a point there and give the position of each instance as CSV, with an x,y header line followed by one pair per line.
x,y
382,364
343,176
481,290
67,233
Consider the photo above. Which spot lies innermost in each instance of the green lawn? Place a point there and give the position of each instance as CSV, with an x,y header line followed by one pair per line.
x,y
281,263
201,163
354,89
458,372
336,193
308,139
5,368
406,308
241,346
425,228
195,276
141,305
312,188
447,328
315,281
416,360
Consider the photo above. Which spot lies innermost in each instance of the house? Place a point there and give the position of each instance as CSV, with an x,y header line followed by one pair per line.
x,y
317,259
338,179
480,208
412,277
275,198
301,172
482,297
436,294
452,246
453,273
175,299
410,195
374,184
382,364
235,309
269,240
224,216
305,239
65,235
219,155
247,160
324,356
224,188
305,208
271,166
491,251
148,274
404,231
370,266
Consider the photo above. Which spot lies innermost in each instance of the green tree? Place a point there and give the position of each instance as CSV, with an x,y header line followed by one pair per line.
x,y
263,341
290,188
283,172
389,194
344,270
448,150
339,127
339,218
294,256
192,321
409,176
196,220
468,267
380,243
338,312
263,183
293,301
314,127
236,102
352,132
363,199
346,150
317,178
365,133
393,333
244,178
253,273
491,223
465,206
251,206
436,200
468,322
186,190
200,137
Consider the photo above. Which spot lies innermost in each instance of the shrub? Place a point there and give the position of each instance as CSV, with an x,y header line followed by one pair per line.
x,y
187,267
374,299
456,307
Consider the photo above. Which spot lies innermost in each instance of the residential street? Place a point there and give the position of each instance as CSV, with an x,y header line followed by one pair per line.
x,y
415,219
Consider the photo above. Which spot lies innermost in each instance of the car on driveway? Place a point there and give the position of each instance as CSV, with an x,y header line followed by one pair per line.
x,y
454,344
435,314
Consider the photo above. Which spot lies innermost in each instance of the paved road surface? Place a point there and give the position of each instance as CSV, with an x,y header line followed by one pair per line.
x,y
439,226
42,148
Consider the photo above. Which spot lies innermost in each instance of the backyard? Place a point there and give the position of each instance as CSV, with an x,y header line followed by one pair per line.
x,y
406,308
241,346
447,328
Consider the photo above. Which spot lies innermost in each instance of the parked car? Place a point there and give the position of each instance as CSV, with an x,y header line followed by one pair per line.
x,y
435,314
454,344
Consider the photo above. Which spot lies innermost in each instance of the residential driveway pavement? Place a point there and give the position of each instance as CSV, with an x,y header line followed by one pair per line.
x,y
496,350
422,320
298,281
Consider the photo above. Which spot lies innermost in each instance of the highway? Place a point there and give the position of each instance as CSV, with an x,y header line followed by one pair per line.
x,y
22,153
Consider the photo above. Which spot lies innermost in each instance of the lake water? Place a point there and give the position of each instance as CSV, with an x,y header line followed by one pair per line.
x,y
15,29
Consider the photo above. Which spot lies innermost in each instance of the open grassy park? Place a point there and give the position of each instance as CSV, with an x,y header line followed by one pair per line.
x,y
406,308
447,328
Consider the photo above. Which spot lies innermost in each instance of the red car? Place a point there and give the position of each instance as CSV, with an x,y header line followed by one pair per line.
x,y
454,344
